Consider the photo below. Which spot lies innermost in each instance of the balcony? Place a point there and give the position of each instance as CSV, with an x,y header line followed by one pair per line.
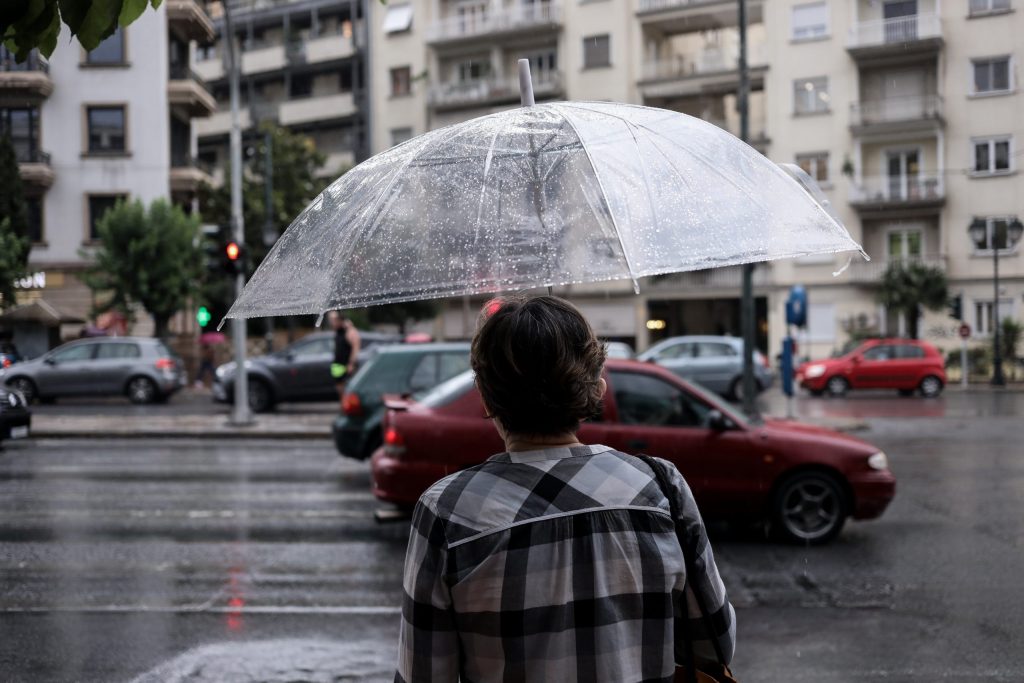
x,y
901,39
531,19
188,173
708,72
190,21
262,58
34,166
728,277
25,83
219,123
871,272
329,48
899,196
490,91
910,114
316,108
758,130
686,16
185,89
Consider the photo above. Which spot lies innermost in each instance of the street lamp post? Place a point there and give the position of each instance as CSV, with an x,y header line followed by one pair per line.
x,y
979,233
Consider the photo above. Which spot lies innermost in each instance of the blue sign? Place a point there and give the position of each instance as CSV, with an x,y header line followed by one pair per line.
x,y
796,307
787,366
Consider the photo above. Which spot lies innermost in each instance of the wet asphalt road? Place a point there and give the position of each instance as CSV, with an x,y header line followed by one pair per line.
x,y
243,560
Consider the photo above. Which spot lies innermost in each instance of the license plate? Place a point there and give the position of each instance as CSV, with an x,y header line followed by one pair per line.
x,y
19,432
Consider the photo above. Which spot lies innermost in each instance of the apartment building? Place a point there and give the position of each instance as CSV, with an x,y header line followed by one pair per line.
x,y
92,128
907,112
302,67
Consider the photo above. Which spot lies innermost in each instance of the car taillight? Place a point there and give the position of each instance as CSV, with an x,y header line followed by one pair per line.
x,y
6,362
165,364
351,405
394,444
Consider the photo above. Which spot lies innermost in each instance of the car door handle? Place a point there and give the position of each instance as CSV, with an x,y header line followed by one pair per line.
x,y
638,444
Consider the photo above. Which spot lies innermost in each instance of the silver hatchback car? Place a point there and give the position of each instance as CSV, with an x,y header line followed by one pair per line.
x,y
142,368
714,362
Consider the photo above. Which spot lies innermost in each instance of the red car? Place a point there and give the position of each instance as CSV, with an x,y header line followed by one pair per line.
x,y
805,480
907,365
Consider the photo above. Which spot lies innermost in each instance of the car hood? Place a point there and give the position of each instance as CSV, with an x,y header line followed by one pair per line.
x,y
776,428
827,362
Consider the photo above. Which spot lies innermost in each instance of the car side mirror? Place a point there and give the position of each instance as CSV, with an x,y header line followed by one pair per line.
x,y
719,422
49,360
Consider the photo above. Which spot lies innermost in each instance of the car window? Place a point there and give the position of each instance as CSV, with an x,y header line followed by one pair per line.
x,y
909,351
316,347
645,400
453,363
714,350
117,350
424,375
448,391
79,352
675,351
879,353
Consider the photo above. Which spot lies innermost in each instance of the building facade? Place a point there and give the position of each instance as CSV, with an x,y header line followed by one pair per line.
x,y
907,112
92,128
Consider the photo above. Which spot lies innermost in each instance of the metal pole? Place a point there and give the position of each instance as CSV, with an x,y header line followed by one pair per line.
x,y
269,231
998,379
240,414
963,362
747,312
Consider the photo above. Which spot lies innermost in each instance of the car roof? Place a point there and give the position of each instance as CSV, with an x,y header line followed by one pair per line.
x,y
702,338
425,347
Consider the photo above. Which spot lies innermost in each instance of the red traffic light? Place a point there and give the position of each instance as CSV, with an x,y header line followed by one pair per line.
x,y
233,251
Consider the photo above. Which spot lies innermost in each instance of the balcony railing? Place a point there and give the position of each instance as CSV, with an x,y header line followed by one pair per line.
x,y
34,62
699,64
926,187
30,154
872,271
545,84
539,15
188,161
896,109
894,31
182,72
657,5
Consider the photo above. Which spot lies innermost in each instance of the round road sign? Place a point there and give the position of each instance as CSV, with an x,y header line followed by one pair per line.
x,y
965,331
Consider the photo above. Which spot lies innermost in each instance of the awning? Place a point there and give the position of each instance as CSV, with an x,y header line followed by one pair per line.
x,y
39,311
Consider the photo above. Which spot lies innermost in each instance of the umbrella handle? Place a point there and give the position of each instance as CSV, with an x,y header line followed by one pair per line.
x,y
525,83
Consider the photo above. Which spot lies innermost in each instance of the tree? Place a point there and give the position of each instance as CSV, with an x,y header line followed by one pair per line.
x,y
25,25
1009,337
12,193
907,287
401,314
12,262
147,257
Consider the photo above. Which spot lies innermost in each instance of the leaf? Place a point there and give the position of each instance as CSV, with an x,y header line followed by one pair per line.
x,y
99,22
73,12
130,11
156,3
48,38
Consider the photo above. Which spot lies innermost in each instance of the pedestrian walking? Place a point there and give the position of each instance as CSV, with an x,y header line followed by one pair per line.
x,y
207,354
346,350
555,560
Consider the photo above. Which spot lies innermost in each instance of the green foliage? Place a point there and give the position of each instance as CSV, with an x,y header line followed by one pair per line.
x,y
401,314
13,249
12,194
35,24
150,257
909,286
1009,337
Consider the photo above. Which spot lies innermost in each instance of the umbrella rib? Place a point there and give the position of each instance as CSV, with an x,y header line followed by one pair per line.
x,y
604,195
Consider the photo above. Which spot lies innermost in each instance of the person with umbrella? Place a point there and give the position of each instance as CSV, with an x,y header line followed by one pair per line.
x,y
346,350
555,560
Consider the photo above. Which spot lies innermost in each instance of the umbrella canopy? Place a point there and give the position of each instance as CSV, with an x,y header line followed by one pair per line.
x,y
552,194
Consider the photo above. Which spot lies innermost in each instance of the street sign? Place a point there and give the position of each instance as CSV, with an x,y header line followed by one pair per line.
x,y
965,331
796,307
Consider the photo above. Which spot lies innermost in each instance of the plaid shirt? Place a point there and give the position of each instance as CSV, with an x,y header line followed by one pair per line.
x,y
556,565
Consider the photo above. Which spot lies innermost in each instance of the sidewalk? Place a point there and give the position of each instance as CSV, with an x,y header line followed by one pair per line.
x,y
265,426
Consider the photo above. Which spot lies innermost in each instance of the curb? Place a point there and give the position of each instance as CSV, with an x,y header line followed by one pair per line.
x,y
177,434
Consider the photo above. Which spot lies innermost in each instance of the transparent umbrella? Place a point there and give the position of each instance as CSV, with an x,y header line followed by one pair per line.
x,y
551,194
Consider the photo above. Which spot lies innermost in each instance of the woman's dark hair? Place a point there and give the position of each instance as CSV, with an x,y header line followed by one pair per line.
x,y
537,364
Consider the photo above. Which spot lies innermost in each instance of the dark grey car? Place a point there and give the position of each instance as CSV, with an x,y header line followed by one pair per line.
x,y
299,372
715,362
142,368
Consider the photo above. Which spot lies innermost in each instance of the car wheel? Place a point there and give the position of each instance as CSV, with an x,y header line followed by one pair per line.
x,y
141,390
736,388
837,386
930,386
906,392
25,387
260,398
810,508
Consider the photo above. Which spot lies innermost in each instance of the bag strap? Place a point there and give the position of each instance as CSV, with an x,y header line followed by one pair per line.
x,y
668,492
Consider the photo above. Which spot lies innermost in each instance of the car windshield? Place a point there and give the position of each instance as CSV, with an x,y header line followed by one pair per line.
x,y
445,392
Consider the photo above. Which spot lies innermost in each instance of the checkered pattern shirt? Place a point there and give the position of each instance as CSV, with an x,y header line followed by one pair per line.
x,y
556,565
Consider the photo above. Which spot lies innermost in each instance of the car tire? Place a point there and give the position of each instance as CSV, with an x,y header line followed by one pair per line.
x,y
930,386
906,392
141,390
736,389
261,399
26,387
809,508
837,386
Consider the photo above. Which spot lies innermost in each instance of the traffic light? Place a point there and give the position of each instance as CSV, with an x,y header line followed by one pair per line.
x,y
203,316
234,258
956,307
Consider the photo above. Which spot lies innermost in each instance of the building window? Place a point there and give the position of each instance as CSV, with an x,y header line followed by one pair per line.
x,y
472,70
22,126
301,86
34,207
401,81
983,319
992,155
542,65
810,21
988,6
110,52
400,135
810,95
991,75
597,51
996,234
106,129
814,165
99,204
398,19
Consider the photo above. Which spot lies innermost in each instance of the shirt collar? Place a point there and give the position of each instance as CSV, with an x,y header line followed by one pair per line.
x,y
557,453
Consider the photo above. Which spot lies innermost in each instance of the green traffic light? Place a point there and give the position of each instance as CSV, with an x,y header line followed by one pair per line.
x,y
203,316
